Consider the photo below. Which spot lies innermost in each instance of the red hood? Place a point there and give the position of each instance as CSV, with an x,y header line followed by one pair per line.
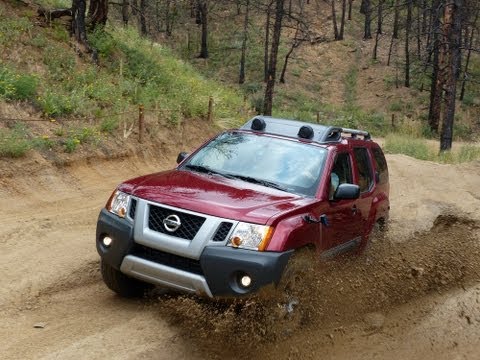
x,y
214,195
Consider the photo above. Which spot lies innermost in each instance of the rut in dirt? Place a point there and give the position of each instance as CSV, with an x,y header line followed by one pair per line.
x,y
334,293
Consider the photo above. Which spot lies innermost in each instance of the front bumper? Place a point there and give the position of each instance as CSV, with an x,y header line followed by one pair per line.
x,y
216,272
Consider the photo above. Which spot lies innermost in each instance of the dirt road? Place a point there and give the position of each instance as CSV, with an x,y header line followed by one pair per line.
x,y
414,294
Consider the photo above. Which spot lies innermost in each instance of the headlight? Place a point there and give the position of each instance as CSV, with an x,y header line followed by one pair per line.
x,y
118,203
250,236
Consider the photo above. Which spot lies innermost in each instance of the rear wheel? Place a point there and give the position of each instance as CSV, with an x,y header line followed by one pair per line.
x,y
377,235
122,284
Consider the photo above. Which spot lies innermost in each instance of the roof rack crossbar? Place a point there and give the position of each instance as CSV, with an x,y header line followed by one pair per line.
x,y
355,133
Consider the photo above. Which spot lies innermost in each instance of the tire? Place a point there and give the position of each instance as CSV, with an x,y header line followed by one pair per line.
x,y
295,275
377,235
122,284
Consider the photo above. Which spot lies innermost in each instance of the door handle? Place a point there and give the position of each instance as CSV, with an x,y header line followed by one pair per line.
x,y
354,209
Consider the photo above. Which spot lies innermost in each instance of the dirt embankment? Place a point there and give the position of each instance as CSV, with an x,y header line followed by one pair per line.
x,y
415,293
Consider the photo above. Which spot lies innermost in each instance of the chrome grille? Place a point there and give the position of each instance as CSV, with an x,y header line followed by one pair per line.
x,y
187,230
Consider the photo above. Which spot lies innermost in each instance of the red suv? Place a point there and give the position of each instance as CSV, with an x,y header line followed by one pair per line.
x,y
227,220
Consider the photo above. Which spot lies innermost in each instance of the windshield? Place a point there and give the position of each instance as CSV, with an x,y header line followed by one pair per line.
x,y
283,164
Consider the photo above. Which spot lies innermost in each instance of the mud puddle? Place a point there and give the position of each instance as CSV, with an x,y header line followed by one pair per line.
x,y
332,294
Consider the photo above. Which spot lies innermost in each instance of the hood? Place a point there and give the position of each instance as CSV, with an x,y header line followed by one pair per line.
x,y
214,195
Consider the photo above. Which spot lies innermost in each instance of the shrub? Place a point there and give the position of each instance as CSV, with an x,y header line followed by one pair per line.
x,y
14,142
15,86
71,144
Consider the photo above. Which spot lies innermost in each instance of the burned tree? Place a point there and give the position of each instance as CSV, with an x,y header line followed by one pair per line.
x,y
272,65
97,13
452,28
202,19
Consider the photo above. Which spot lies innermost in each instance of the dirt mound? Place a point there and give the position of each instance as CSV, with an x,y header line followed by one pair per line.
x,y
336,292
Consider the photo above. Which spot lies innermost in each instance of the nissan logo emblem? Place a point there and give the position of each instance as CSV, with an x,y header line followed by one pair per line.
x,y
171,223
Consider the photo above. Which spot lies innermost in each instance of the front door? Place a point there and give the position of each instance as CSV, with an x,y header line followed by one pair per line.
x,y
343,230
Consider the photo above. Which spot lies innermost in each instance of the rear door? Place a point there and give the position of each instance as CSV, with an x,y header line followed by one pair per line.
x,y
365,179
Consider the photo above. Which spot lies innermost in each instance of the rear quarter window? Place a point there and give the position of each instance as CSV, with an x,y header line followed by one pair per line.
x,y
380,165
365,174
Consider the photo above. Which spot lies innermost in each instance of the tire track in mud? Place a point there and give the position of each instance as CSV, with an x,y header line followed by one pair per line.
x,y
333,294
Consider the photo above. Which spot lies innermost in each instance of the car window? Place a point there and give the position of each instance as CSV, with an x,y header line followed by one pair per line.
x,y
341,172
295,166
380,165
365,178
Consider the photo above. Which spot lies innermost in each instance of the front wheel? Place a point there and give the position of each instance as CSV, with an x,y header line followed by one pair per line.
x,y
122,284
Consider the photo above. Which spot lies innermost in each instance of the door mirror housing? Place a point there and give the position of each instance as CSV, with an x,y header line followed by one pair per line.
x,y
347,192
182,156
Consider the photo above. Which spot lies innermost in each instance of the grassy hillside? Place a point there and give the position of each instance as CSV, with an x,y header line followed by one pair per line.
x,y
53,99
43,76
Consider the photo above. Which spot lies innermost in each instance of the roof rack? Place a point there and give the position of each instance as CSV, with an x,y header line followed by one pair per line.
x,y
306,131
354,133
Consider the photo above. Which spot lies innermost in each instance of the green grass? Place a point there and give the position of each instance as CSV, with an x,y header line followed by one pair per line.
x,y
350,81
12,29
55,4
419,148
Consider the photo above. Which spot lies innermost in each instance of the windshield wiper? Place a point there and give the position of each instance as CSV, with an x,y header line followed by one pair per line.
x,y
260,182
207,170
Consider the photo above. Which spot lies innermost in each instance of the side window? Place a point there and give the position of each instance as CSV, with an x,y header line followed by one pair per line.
x,y
380,165
365,178
341,173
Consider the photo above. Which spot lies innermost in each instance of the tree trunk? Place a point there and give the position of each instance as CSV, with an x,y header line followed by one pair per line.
x,y
97,13
342,20
266,45
203,12
379,28
78,21
419,33
452,27
125,6
395,19
408,26
143,20
272,67
436,90
380,16
334,20
241,77
350,9
368,19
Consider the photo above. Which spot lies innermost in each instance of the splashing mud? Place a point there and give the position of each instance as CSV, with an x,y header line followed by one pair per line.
x,y
332,293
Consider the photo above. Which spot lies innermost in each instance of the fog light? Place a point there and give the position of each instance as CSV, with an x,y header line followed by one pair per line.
x,y
107,241
246,281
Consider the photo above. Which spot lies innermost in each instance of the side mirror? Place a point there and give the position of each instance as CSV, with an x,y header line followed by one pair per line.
x,y
182,156
347,192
